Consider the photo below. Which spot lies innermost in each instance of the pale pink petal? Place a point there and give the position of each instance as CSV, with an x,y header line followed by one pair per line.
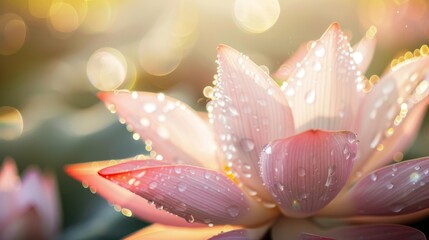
x,y
394,107
176,131
87,173
308,236
24,224
294,229
377,232
401,188
34,194
306,171
248,111
286,69
363,52
325,89
160,232
193,193
9,178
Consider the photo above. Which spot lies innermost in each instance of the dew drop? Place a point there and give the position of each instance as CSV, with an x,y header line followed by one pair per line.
x,y
207,175
247,144
190,219
373,177
153,185
417,167
414,177
310,97
270,91
177,170
267,149
397,208
279,187
317,66
290,91
389,185
145,122
181,186
300,73
149,107
233,211
301,172
233,111
320,52
346,152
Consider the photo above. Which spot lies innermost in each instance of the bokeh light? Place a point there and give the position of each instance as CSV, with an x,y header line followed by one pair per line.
x,y
163,47
63,17
12,33
11,123
256,16
39,8
99,16
106,69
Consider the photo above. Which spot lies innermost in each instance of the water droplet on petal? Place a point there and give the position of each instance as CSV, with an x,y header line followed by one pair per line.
x,y
279,187
346,151
181,186
207,175
190,219
153,185
310,97
389,185
373,177
247,144
233,211
397,208
178,170
149,107
320,52
267,149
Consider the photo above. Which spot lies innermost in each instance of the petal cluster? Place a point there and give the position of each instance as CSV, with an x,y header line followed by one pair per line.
x,y
29,208
307,143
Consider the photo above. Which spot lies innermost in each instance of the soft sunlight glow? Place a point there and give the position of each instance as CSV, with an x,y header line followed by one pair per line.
x,y
11,123
99,16
106,69
39,8
163,47
256,16
12,33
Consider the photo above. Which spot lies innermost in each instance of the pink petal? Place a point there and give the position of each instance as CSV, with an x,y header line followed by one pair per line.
x,y
397,189
363,52
248,111
306,171
308,236
87,173
9,178
34,193
24,224
175,130
160,232
193,193
239,234
289,66
294,229
243,234
392,109
324,90
377,232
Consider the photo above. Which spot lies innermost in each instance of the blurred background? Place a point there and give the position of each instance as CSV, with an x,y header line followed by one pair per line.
x,y
55,55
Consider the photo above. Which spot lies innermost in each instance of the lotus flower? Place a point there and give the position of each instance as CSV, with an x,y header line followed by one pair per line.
x,y
281,157
29,209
